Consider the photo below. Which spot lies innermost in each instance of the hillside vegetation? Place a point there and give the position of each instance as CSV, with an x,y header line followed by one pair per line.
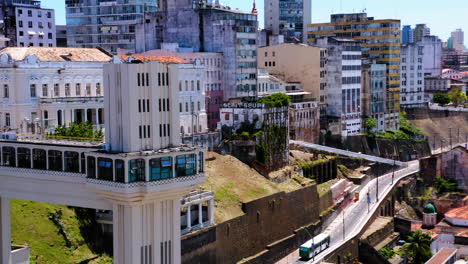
x,y
53,232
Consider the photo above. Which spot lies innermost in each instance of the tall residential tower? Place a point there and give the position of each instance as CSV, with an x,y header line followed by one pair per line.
x,y
288,18
109,24
380,42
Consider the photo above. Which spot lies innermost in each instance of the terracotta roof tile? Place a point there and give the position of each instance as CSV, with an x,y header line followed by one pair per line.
x,y
57,54
441,256
459,213
162,59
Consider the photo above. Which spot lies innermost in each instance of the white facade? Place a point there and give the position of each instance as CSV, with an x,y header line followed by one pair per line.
x,y
412,75
191,86
35,27
42,88
268,84
451,74
432,55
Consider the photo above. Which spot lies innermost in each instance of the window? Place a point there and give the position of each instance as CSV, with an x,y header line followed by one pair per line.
x,y
49,35
9,156
44,90
119,171
78,89
201,161
55,160
198,105
29,13
88,89
160,168
32,90
72,161
39,14
49,25
20,11
180,85
105,169
6,91
39,159
20,24
56,89
7,120
91,167
136,170
24,158
21,33
198,85
186,165
30,24
67,89
98,88
186,85
193,85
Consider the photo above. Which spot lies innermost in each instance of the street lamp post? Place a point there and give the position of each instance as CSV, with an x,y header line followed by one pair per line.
x,y
393,171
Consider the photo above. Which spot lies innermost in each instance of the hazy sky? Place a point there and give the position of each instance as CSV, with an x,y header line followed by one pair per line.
x,y
441,16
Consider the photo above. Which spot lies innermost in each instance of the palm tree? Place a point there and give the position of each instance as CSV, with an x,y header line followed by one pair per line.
x,y
418,247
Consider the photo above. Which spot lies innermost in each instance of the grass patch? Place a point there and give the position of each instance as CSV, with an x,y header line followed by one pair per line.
x,y
31,225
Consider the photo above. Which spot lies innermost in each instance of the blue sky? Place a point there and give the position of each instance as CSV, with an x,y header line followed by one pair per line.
x,y
441,16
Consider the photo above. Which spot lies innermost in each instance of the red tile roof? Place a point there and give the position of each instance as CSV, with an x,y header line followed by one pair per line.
x,y
458,213
442,256
162,59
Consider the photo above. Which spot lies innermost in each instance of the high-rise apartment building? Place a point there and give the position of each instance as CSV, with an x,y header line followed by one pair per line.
x,y
109,24
26,24
200,27
288,18
458,38
374,92
380,42
407,35
432,55
420,31
343,90
412,75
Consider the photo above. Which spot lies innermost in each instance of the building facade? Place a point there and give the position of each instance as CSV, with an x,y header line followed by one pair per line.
x,y
380,41
293,63
343,78
304,121
200,27
42,88
214,76
26,24
106,24
458,38
288,18
61,36
412,75
432,55
188,80
373,92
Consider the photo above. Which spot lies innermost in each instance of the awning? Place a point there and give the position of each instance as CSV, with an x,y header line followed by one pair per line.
x,y
41,33
31,33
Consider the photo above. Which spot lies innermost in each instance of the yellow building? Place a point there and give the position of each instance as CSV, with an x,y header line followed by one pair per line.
x,y
380,41
293,63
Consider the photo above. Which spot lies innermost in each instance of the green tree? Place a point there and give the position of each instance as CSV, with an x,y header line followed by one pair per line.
x,y
370,124
276,100
387,253
445,185
418,247
83,130
441,98
457,96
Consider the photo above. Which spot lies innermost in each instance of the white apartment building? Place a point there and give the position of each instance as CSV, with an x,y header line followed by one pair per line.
x,y
342,74
35,27
42,88
432,55
26,24
412,75
188,80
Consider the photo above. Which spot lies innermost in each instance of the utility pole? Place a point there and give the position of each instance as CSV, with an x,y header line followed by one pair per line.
x,y
343,225
450,137
377,190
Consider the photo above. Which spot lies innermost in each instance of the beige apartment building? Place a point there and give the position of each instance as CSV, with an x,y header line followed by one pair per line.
x,y
293,63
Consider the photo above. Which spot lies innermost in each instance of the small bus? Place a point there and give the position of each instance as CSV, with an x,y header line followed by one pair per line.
x,y
314,246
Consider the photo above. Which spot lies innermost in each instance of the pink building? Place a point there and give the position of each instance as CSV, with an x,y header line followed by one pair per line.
x,y
214,79
452,74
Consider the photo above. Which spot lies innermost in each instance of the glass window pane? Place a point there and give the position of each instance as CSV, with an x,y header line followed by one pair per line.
x,y
9,156
105,169
55,160
39,159
72,161
24,158
136,170
119,171
91,167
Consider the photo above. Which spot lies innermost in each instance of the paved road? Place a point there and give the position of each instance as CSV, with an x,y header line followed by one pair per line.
x,y
353,219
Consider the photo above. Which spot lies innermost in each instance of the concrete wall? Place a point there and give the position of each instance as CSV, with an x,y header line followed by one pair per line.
x,y
265,222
